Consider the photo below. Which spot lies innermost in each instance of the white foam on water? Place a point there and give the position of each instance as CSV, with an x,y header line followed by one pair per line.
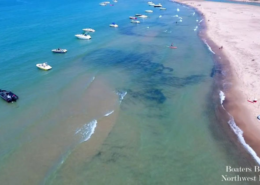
x,y
195,29
87,130
238,131
222,97
239,134
201,20
209,47
109,113
121,95
178,9
193,13
180,20
160,16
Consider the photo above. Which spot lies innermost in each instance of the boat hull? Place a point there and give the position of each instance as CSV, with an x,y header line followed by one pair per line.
x,y
47,68
79,36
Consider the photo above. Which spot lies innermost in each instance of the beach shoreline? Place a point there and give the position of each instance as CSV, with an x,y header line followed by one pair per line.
x,y
217,34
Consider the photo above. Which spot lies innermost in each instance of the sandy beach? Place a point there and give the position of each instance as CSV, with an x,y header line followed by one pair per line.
x,y
236,28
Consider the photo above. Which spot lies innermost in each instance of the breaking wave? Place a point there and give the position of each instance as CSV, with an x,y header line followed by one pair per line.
x,y
109,113
238,131
87,130
222,97
209,47
239,134
121,95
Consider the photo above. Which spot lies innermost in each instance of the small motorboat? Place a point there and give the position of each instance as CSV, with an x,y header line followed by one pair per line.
x,y
162,8
107,2
149,11
136,22
113,25
8,96
137,15
59,50
44,66
132,17
172,47
143,16
151,3
157,5
103,4
83,36
89,30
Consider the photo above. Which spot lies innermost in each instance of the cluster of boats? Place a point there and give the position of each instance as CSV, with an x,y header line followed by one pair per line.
x,y
156,5
134,18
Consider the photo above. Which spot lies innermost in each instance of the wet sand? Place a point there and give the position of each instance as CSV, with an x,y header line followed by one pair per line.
x,y
235,27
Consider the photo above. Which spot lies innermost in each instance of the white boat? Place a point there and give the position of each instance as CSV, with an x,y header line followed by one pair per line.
x,y
149,11
83,36
143,16
136,22
107,2
89,30
59,50
157,5
132,17
162,8
103,4
151,3
137,15
44,66
113,25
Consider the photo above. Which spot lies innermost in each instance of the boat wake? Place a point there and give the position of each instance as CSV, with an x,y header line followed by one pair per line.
x,y
237,130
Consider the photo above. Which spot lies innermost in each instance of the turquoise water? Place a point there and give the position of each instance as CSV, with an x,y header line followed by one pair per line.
x,y
121,108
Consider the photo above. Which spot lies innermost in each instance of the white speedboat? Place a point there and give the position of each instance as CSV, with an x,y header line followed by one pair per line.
x,y
132,17
157,5
59,50
113,25
89,30
151,3
149,11
143,16
44,66
162,8
137,15
107,2
83,36
136,22
103,4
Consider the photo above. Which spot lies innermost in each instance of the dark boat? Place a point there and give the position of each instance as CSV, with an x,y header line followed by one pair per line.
x,y
8,96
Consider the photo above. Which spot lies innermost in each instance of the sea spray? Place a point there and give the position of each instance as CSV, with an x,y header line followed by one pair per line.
x,y
87,130
237,130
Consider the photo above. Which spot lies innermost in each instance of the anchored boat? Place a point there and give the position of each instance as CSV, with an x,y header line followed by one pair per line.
x,y
44,66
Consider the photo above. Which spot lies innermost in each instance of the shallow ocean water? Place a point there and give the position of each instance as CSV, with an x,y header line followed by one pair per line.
x,y
121,108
